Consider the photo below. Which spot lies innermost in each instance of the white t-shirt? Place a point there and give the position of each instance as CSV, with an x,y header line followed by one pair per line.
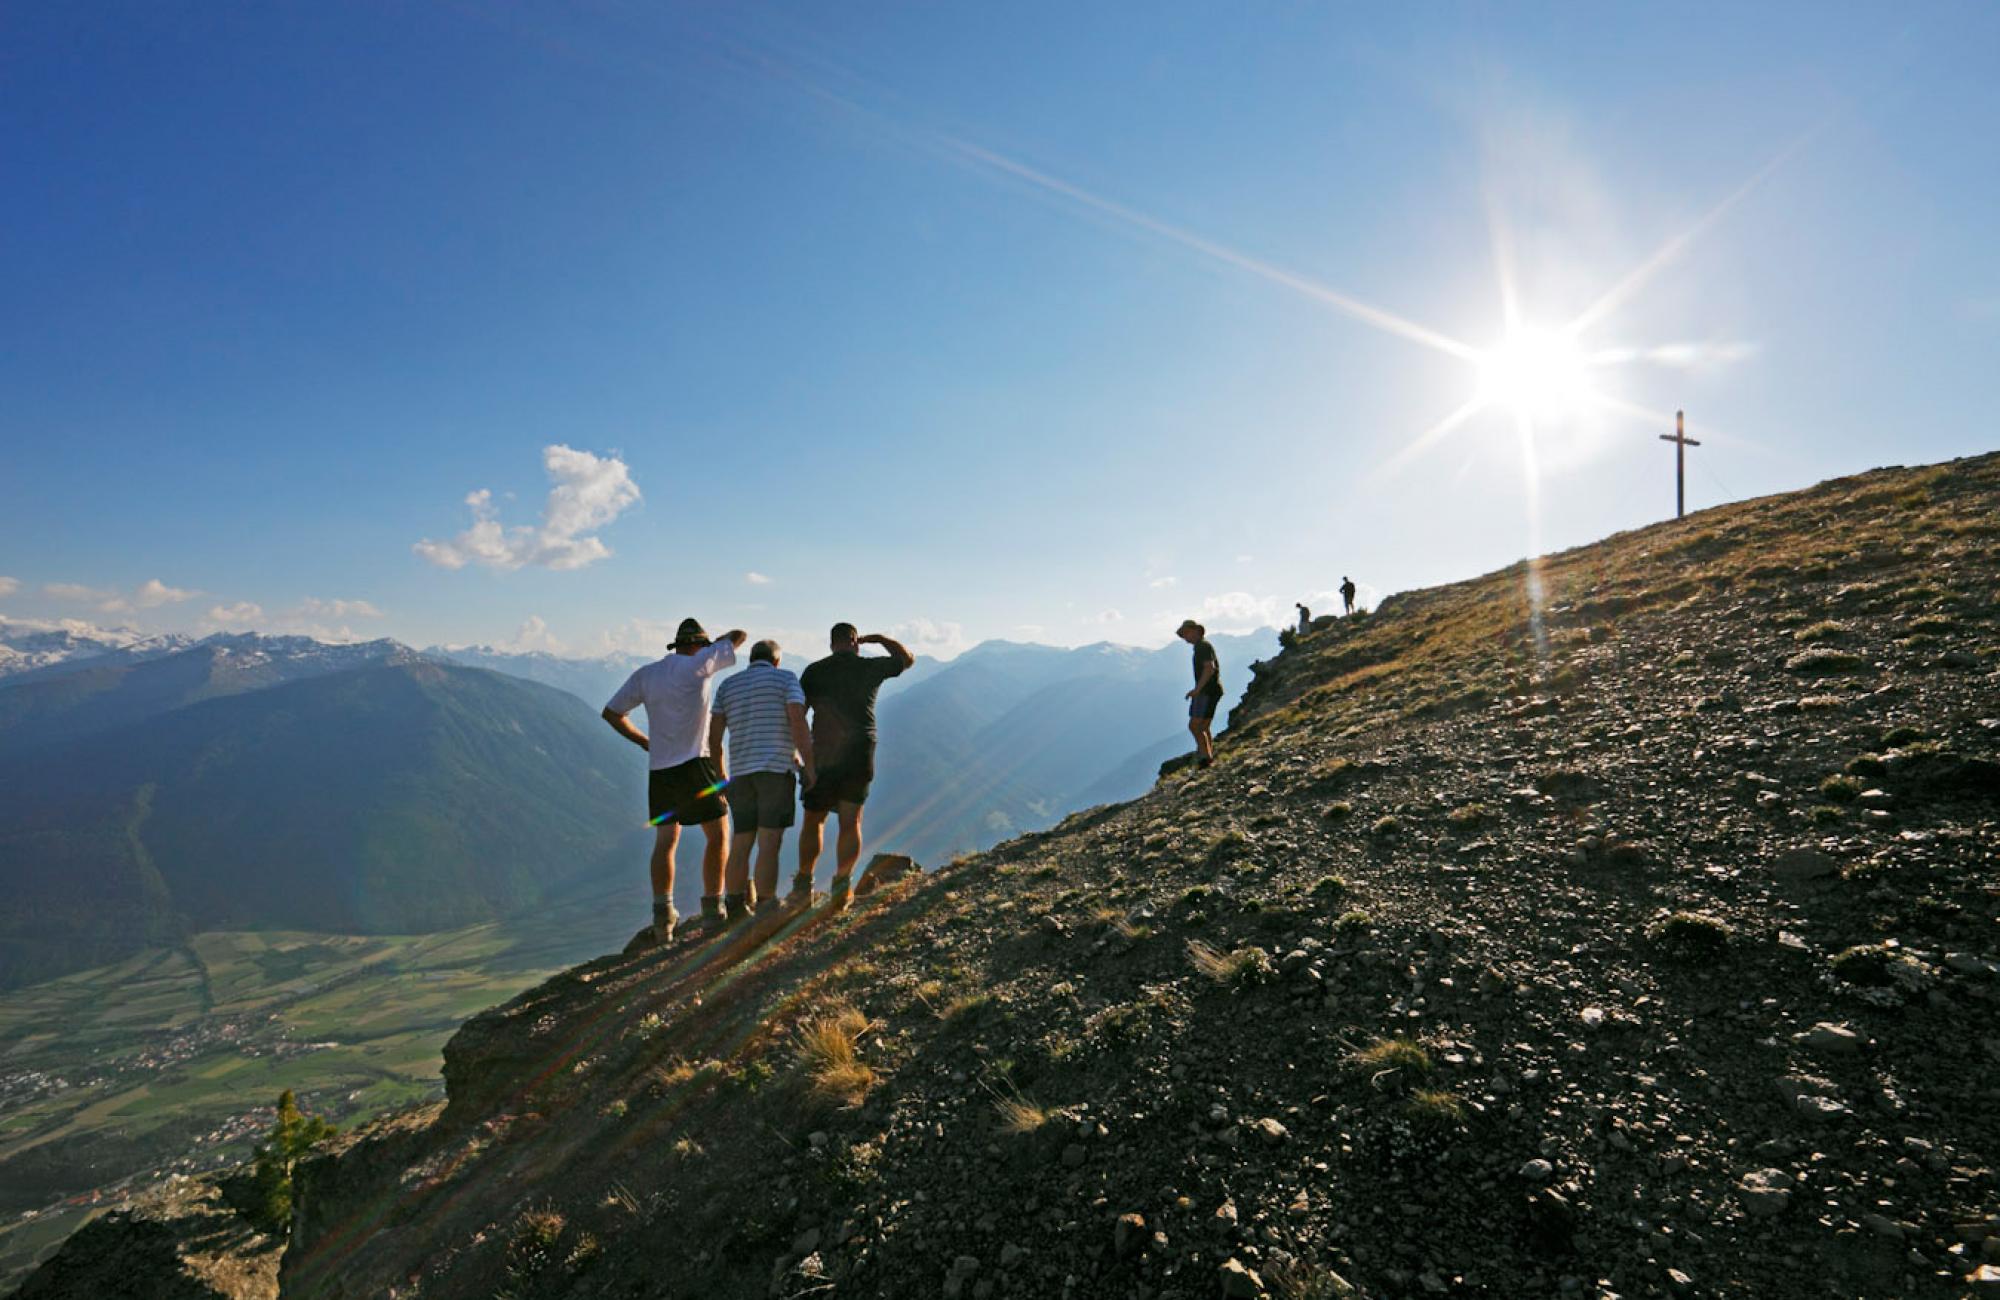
x,y
675,691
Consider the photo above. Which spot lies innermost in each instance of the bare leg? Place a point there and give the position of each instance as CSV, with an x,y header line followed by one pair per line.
x,y
850,840
717,832
811,831
666,837
736,877
1203,745
769,839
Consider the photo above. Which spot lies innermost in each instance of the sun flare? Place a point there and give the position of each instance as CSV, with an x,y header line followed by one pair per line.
x,y
1535,372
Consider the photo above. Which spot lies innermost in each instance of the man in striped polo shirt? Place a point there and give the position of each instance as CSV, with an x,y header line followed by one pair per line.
x,y
763,711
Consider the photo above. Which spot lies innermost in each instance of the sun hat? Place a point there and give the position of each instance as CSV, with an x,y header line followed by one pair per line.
x,y
690,633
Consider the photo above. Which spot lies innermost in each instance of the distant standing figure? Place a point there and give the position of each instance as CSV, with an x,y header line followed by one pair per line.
x,y
763,711
840,692
1207,692
683,784
1305,620
1347,591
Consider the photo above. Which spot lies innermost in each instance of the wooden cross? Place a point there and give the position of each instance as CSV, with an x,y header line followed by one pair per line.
x,y
1681,443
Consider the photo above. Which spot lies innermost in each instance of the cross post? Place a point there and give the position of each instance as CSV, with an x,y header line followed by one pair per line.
x,y
1681,443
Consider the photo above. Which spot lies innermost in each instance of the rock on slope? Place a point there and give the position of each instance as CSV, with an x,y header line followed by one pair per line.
x,y
180,1241
1637,939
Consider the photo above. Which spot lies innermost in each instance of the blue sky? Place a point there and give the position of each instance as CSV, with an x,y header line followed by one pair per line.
x,y
1042,322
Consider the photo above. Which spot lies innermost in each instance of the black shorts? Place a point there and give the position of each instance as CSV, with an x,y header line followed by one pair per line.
x,y
679,791
845,782
762,801
1203,706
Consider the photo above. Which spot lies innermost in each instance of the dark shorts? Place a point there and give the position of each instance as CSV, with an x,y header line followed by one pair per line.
x,y
762,801
678,790
1203,706
845,782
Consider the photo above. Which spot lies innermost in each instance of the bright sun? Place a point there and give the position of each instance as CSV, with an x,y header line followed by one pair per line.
x,y
1534,372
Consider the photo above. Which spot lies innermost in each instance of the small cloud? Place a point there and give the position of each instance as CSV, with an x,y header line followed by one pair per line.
x,y
588,493
150,594
153,593
1237,611
1107,617
8,586
926,636
314,607
77,592
756,579
242,616
1030,630
534,635
1161,584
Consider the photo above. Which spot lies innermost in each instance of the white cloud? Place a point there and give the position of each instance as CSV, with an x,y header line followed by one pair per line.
x,y
314,607
153,593
756,579
534,634
242,616
1030,630
8,586
1239,611
589,492
925,636
1106,617
150,594
78,592
1161,584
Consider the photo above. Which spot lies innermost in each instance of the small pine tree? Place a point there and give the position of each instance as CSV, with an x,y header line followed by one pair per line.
x,y
292,1137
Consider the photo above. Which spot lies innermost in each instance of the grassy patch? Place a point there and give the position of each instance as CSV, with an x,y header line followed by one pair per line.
x,y
1386,826
1246,965
1692,934
1469,817
1352,922
1401,1057
1020,1115
834,1069
1823,660
1866,963
1434,1108
1841,789
1339,810
531,1247
1330,886
1822,631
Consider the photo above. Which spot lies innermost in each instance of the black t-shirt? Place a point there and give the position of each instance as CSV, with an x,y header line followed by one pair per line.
x,y
840,691
1204,657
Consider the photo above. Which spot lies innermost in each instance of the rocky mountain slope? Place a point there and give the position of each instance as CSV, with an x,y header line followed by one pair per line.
x,y
1624,924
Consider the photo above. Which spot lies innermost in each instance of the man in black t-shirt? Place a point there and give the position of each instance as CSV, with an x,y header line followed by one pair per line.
x,y
1207,692
840,694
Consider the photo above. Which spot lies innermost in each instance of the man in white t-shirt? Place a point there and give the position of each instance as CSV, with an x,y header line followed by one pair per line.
x,y
685,785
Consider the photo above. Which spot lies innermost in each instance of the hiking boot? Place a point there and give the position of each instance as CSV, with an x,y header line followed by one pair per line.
x,y
711,909
768,907
802,890
838,898
738,906
664,921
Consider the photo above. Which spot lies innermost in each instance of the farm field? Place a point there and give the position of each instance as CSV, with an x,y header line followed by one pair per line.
x,y
171,1061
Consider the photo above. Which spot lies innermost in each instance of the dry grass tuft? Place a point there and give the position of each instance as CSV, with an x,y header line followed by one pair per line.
x,y
1246,965
1020,1115
834,1070
1399,1056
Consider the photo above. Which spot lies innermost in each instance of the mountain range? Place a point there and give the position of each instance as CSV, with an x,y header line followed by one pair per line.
x,y
152,788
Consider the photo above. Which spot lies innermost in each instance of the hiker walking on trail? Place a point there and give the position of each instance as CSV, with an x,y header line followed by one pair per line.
x,y
1305,618
683,787
763,711
1347,591
840,692
1207,692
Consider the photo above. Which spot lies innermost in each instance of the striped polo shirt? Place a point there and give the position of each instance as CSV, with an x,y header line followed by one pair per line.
x,y
760,728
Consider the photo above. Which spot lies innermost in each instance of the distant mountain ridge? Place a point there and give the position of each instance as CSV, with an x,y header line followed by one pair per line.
x,y
278,782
